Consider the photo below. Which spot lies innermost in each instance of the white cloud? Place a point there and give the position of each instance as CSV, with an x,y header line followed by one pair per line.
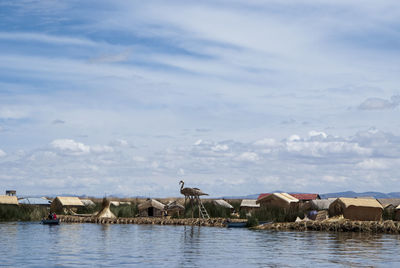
x,y
248,157
119,142
70,146
13,112
101,149
319,149
317,134
45,38
380,104
198,142
181,172
2,153
267,142
294,138
372,164
138,159
220,148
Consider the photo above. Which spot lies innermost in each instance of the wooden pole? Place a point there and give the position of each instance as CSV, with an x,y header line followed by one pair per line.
x,y
191,201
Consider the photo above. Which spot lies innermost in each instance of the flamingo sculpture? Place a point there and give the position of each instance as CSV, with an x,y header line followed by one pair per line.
x,y
192,194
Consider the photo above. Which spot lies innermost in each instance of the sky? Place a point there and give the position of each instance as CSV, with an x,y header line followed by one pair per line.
x,y
234,97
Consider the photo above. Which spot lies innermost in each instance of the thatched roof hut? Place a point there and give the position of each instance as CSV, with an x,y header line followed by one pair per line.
x,y
249,205
174,208
356,209
106,213
8,200
151,208
61,203
278,200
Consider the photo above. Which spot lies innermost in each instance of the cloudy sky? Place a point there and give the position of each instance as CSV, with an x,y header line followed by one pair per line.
x,y
235,97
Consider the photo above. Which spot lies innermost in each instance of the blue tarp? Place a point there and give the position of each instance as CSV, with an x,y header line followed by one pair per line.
x,y
34,201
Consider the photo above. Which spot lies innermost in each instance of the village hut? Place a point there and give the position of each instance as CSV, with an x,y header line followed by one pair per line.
x,y
120,203
322,204
106,211
278,200
88,203
151,208
35,201
356,209
174,208
306,197
397,213
63,204
8,200
389,203
224,204
249,206
11,192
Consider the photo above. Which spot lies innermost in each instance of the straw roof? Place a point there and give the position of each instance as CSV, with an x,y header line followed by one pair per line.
x,y
8,200
386,202
151,203
174,205
105,213
69,201
360,202
250,203
284,196
222,203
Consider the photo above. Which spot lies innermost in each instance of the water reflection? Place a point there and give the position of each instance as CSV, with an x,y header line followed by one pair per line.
x,y
77,245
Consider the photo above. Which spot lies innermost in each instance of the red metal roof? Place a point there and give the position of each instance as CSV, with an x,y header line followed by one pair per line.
x,y
306,196
262,195
298,196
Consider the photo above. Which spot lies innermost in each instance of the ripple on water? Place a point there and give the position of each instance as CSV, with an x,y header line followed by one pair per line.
x,y
88,245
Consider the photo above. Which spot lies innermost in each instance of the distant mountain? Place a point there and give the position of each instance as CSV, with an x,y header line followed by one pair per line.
x,y
364,194
329,195
251,196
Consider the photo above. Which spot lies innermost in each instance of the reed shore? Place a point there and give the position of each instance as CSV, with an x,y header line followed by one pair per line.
x,y
342,225
214,222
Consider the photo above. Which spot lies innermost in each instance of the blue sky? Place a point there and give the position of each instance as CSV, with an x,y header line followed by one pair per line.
x,y
235,97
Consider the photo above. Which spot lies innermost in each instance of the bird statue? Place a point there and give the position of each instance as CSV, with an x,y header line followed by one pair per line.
x,y
192,193
187,192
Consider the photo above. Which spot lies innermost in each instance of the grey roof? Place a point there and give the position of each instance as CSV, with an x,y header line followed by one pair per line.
x,y
151,203
250,203
223,203
385,202
34,201
88,202
321,204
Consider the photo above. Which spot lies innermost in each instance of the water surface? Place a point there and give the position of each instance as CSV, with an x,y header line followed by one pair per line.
x,y
93,245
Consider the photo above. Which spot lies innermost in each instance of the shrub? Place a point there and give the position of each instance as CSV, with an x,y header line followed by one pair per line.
x,y
22,213
278,214
125,211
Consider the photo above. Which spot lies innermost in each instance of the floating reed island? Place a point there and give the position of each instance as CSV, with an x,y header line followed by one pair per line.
x,y
212,222
340,225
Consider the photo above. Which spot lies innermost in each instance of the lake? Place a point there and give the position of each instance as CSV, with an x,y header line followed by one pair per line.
x,y
89,245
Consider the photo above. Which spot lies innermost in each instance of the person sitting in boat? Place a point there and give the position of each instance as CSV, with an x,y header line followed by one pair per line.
x,y
50,217
54,216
